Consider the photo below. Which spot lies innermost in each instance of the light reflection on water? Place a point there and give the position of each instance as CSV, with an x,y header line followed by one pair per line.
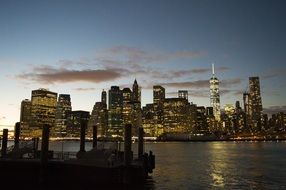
x,y
220,165
212,165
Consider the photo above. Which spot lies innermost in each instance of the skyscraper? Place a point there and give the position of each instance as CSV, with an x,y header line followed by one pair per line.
x,y
255,103
136,107
25,113
43,109
158,101
103,97
115,105
127,106
62,114
176,113
77,118
214,95
25,117
158,94
136,92
99,117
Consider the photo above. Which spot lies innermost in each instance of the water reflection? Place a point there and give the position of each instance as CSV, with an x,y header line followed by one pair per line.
x,y
218,164
213,165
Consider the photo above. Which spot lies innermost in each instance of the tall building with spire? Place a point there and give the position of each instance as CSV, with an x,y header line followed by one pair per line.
x,y
214,95
136,107
104,97
136,92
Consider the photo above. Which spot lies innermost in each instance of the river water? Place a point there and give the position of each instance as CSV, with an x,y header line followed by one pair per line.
x,y
211,165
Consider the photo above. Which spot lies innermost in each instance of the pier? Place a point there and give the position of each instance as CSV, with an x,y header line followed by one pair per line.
x,y
96,167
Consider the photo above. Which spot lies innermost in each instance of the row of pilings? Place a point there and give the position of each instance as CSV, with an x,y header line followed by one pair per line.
x,y
45,142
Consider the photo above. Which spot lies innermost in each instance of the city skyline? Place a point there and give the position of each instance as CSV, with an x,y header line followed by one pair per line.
x,y
79,49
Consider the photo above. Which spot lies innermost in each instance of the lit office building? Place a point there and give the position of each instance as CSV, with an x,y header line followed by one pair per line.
x,y
62,115
148,122
176,112
25,116
255,103
183,94
99,117
158,103
209,111
115,121
127,106
43,109
201,119
210,119
25,112
246,111
214,95
229,110
77,118
278,122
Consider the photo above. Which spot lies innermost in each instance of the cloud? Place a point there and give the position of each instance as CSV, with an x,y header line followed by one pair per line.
x,y
230,82
201,83
85,89
138,69
274,109
127,54
49,75
274,73
234,92
111,63
191,84
193,93
63,63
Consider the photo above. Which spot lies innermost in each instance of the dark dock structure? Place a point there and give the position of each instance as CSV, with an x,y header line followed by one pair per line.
x,y
100,167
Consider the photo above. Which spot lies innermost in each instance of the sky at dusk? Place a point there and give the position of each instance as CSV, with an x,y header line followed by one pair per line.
x,y
81,47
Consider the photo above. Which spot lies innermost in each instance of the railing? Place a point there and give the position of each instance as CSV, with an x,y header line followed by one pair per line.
x,y
58,155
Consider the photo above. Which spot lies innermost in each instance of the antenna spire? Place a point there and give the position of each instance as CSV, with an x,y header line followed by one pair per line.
x,y
213,72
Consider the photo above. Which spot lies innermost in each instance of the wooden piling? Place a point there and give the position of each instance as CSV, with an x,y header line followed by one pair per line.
x,y
83,126
127,144
35,146
16,135
140,142
4,143
45,144
94,136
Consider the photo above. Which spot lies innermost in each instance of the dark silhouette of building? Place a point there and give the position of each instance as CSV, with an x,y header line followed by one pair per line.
x,y
103,97
99,117
183,94
136,92
201,121
148,121
255,103
75,120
